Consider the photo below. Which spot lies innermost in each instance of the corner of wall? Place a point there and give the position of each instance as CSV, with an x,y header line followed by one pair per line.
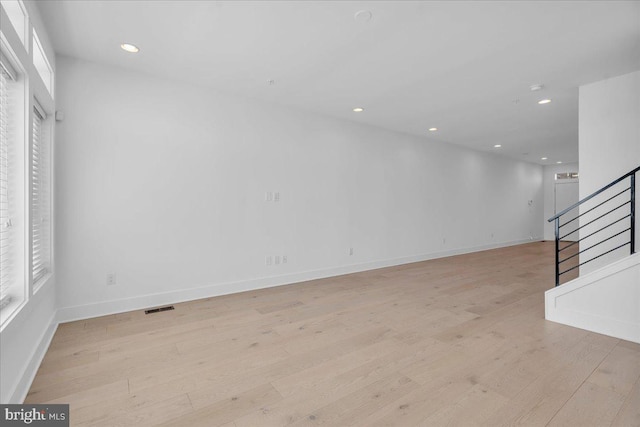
x,y
19,393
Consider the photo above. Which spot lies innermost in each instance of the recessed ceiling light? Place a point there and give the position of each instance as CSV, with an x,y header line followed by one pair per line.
x,y
544,101
543,158
497,146
129,48
433,129
358,110
559,162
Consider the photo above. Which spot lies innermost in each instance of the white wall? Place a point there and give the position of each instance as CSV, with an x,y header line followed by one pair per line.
x,y
609,141
606,296
164,184
24,340
606,301
609,126
549,173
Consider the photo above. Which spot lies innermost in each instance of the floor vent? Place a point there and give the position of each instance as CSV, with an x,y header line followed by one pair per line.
x,y
159,309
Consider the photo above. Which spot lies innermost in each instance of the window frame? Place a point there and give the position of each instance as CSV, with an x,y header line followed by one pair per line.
x,y
38,55
15,68
23,35
18,52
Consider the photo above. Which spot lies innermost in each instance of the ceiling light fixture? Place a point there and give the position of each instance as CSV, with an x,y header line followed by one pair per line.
x,y
543,158
358,110
130,48
497,146
559,162
433,129
535,88
544,101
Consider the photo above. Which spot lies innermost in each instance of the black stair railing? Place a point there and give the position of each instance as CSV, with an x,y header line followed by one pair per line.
x,y
610,225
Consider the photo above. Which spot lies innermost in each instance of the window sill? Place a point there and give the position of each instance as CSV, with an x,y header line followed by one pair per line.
x,y
41,282
10,311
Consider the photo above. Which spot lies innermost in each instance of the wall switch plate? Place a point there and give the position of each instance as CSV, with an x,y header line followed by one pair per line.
x,y
268,196
276,196
284,259
267,260
350,251
277,259
111,279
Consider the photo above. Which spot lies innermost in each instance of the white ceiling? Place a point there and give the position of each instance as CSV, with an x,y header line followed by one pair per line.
x,y
459,66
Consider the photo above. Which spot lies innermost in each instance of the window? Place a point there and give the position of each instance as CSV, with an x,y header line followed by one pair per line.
x,y
42,64
12,283
18,17
6,237
567,175
26,138
40,199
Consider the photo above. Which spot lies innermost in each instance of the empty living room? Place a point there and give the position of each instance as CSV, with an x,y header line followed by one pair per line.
x,y
338,213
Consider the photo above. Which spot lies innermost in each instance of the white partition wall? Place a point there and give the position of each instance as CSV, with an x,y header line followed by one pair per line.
x,y
609,141
170,191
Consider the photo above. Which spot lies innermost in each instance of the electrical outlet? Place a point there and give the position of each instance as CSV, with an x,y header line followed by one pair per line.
x,y
284,259
267,260
111,279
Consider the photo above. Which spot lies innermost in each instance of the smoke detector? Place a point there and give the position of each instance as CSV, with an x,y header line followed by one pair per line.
x,y
363,16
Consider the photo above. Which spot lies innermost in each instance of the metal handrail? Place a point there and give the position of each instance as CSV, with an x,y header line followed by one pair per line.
x,y
595,193
632,208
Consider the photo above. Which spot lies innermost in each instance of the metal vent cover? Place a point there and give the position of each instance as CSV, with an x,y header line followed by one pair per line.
x,y
159,309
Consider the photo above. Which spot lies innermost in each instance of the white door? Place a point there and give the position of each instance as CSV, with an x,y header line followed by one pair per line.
x,y
567,195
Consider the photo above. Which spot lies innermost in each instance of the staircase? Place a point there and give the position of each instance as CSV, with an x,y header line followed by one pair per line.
x,y
597,270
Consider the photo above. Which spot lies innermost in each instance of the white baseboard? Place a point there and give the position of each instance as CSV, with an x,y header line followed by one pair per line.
x,y
68,314
22,388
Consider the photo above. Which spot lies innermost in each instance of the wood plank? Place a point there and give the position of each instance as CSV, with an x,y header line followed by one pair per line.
x,y
619,371
453,341
591,405
227,410
629,414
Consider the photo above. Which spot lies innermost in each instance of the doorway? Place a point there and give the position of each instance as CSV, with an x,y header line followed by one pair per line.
x,y
566,194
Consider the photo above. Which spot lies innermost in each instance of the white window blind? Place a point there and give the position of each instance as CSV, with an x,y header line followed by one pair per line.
x,y
40,200
6,235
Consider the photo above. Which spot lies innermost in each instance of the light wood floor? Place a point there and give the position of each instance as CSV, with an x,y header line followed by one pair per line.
x,y
459,341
